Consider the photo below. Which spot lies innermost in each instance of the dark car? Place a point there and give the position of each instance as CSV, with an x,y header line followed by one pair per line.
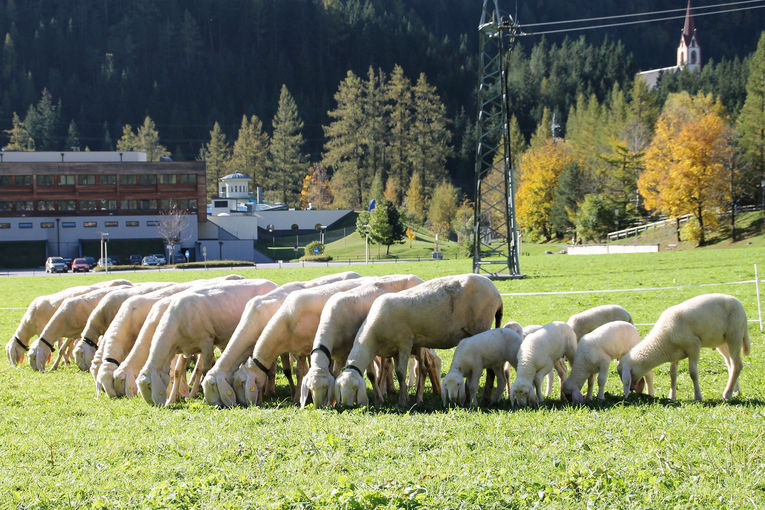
x,y
91,261
80,266
115,260
135,260
68,262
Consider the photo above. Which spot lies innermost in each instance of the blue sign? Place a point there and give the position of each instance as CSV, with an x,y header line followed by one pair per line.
x,y
372,204
316,251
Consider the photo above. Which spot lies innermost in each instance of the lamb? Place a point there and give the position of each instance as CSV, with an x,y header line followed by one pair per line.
x,y
539,353
594,353
217,384
291,329
67,321
586,321
709,320
122,333
195,322
490,349
37,315
340,320
102,316
436,314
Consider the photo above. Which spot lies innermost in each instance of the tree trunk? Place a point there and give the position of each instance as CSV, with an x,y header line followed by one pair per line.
x,y
700,216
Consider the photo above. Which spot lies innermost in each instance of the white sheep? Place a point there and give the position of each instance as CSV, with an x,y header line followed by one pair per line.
x,y
710,320
539,353
490,349
340,320
37,315
436,314
102,316
125,329
67,321
594,354
195,321
218,382
592,318
524,332
291,330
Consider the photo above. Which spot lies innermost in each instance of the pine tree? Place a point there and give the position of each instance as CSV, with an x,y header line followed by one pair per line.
x,y
415,200
373,123
250,152
215,154
288,163
147,140
398,93
751,121
42,122
385,225
375,191
72,136
430,135
20,140
443,207
128,141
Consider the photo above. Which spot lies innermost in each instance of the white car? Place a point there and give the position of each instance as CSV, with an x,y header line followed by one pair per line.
x,y
150,260
55,265
160,258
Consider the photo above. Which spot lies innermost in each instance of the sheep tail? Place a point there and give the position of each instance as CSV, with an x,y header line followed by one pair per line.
x,y
498,317
747,342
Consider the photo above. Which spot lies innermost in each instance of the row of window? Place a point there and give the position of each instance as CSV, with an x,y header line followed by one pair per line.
x,y
86,224
92,180
97,205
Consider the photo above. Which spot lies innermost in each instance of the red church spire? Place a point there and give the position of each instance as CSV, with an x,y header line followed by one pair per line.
x,y
689,29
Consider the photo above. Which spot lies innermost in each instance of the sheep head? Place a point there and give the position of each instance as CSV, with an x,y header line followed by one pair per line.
x,y
629,380
153,385
83,355
571,393
217,389
453,389
15,351
514,326
39,354
350,389
522,393
105,379
124,382
318,384
249,384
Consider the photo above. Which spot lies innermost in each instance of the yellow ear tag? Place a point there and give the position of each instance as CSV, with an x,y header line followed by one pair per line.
x,y
252,388
228,393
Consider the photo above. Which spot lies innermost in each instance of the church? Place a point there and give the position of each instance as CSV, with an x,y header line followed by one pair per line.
x,y
688,53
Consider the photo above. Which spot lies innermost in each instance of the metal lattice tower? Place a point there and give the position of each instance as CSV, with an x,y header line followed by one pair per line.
x,y
496,238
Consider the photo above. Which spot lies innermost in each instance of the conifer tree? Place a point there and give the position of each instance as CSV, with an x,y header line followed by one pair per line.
x,y
20,140
144,139
250,152
751,121
443,207
375,191
288,163
72,136
42,122
415,200
430,135
398,93
215,154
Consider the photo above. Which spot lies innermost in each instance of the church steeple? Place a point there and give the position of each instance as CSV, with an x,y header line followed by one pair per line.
x,y
689,51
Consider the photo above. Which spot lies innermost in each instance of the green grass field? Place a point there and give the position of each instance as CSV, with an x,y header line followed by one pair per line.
x,y
65,448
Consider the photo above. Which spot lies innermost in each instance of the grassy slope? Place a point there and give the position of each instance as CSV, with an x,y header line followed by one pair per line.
x,y
63,448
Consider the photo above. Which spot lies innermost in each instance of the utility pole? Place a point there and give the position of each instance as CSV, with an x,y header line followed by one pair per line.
x,y
494,229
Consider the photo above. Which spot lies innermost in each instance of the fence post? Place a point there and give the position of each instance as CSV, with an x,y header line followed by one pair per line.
x,y
757,287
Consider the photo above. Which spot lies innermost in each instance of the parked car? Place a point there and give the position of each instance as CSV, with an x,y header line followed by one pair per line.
x,y
115,260
55,265
150,260
68,262
91,261
160,258
135,260
104,260
80,266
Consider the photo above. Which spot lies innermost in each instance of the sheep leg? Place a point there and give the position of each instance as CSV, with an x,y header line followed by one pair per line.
x,y
602,378
472,387
421,374
550,380
62,354
176,391
401,364
501,383
389,386
560,367
649,382
412,367
693,371
673,380
287,369
301,369
734,365
507,377
538,385
490,376
434,369
377,387
590,386
196,377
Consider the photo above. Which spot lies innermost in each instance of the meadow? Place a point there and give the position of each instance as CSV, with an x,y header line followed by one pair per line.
x,y
64,447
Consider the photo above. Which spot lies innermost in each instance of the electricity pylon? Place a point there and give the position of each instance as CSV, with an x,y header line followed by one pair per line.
x,y
495,234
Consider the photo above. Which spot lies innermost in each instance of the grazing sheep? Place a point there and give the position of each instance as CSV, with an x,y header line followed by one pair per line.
x,y
490,349
67,321
340,320
37,315
102,316
435,314
710,320
218,383
594,353
195,322
122,333
291,330
586,321
539,353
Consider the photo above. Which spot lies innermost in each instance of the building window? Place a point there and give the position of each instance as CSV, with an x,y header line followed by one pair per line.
x,y
152,223
67,224
5,225
89,224
46,205
86,180
6,180
167,179
146,180
220,203
168,204
46,180
128,205
110,224
107,205
128,180
107,179
46,224
131,223
148,205
25,225
87,205
6,206
67,205
187,179
188,204
66,180
25,206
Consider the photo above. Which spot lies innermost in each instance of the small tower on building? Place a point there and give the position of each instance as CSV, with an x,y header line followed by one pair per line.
x,y
689,51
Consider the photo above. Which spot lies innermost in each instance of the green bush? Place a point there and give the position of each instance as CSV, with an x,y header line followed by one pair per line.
x,y
214,263
99,269
309,248
316,258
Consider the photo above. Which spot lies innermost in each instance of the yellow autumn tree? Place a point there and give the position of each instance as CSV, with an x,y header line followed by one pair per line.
x,y
316,188
540,169
685,163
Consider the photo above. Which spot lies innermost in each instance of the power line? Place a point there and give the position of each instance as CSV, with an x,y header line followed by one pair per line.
x,y
608,25
694,10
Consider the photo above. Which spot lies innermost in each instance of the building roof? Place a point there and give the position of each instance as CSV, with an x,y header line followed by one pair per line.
x,y
236,175
689,29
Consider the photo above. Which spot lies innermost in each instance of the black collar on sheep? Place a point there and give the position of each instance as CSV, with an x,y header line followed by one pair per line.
x,y
52,349
90,342
259,364
112,360
21,343
323,349
355,369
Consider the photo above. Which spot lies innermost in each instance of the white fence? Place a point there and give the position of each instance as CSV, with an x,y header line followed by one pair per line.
x,y
620,234
604,249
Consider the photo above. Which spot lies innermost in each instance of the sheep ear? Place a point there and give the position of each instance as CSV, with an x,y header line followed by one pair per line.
x,y
131,389
443,395
626,380
158,389
225,391
304,393
361,394
251,393
461,392
576,396
330,392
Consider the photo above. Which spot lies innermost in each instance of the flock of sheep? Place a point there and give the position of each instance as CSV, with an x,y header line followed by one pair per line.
x,y
141,338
